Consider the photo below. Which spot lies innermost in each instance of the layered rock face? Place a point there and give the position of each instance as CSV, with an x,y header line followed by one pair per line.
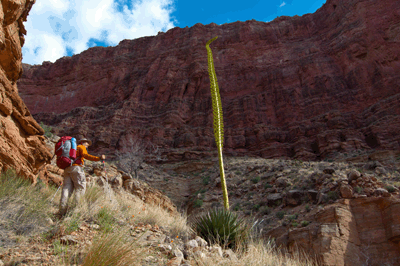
x,y
21,144
353,232
301,87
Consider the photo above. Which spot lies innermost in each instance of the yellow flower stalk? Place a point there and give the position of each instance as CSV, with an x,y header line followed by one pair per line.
x,y
218,119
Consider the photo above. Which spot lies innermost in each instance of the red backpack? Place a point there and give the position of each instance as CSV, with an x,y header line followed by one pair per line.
x,y
65,151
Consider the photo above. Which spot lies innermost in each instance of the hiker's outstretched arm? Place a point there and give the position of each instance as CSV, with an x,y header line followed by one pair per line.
x,y
87,156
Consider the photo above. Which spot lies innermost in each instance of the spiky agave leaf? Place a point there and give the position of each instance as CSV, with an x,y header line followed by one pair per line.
x,y
223,227
218,118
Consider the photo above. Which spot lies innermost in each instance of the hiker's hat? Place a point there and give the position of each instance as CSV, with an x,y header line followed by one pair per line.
x,y
85,140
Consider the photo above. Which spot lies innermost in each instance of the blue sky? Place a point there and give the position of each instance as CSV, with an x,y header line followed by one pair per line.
x,y
58,28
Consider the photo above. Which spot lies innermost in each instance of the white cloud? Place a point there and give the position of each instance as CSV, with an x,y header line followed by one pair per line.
x,y
54,25
282,4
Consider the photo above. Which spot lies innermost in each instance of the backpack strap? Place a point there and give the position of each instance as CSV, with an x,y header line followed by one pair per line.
x,y
76,159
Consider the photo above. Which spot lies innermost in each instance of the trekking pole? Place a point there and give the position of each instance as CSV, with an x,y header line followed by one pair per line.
x,y
55,193
108,185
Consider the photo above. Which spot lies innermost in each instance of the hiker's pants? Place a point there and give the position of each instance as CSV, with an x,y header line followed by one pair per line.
x,y
74,179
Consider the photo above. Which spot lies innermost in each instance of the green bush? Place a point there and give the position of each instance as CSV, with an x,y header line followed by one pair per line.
x,y
198,203
267,185
256,179
277,203
223,227
280,215
304,223
106,219
265,210
390,188
206,180
47,130
58,248
333,195
72,223
236,207
359,190
293,217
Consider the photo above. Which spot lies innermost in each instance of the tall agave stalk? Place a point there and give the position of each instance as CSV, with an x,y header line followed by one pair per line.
x,y
218,118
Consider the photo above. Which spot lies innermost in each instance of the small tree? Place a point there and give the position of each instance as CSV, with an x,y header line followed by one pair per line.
x,y
135,152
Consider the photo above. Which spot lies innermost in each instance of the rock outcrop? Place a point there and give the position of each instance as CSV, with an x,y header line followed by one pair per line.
x,y
300,87
21,142
362,231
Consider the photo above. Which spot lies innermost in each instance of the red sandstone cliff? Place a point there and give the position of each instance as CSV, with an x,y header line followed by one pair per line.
x,y
302,87
21,144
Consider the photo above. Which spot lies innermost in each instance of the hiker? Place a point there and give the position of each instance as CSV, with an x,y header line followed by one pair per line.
x,y
74,176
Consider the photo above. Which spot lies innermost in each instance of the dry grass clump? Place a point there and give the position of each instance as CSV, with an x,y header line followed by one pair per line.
x,y
260,253
114,248
23,207
136,212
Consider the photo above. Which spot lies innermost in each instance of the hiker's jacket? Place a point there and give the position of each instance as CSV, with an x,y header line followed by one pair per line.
x,y
82,154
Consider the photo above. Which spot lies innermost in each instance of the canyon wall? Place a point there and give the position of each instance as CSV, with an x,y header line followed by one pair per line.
x,y
297,87
22,145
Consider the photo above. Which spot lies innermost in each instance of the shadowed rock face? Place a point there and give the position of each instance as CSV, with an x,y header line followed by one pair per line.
x,y
21,144
301,87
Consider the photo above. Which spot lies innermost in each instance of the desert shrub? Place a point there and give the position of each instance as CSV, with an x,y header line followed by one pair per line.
x,y
206,180
106,219
390,188
256,207
333,195
293,217
198,203
256,179
308,208
277,203
72,222
58,248
265,210
47,130
359,190
280,214
267,185
236,207
304,223
223,227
